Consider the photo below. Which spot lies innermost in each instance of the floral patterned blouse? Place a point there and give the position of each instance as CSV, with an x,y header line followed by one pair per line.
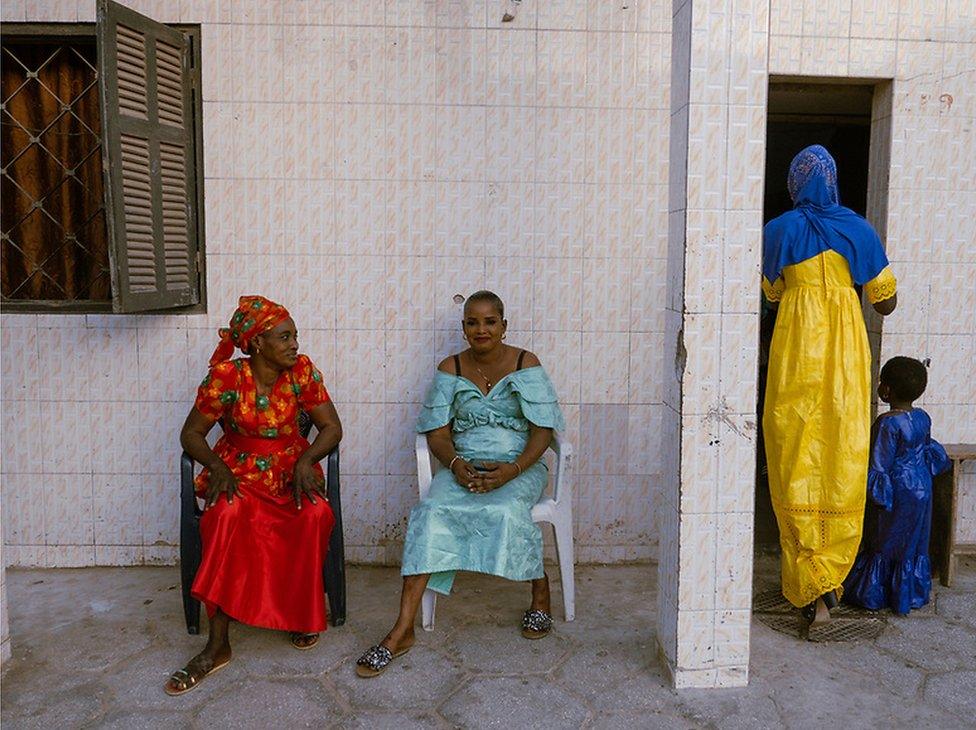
x,y
229,394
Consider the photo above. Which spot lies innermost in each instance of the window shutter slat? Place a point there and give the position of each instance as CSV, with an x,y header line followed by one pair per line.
x,y
150,153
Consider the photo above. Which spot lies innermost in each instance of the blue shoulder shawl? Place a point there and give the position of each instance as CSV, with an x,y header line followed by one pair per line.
x,y
818,222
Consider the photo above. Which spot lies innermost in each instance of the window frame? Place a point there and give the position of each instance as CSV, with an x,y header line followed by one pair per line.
x,y
48,32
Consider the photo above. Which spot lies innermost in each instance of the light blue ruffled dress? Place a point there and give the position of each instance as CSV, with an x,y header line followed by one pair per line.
x,y
453,529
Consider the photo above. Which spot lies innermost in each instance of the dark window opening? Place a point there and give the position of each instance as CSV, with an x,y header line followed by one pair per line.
x,y
101,174
53,242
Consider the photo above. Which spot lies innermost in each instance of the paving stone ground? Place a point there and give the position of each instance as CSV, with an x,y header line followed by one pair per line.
x,y
92,648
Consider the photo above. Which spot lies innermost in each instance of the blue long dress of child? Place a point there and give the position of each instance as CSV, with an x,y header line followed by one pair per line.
x,y
892,568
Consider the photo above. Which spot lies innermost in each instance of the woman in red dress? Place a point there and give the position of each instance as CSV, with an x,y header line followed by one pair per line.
x,y
266,525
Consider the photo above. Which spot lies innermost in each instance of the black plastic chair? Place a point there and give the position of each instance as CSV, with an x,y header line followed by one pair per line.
x,y
333,571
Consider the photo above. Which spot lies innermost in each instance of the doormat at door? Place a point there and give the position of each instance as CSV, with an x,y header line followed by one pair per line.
x,y
848,623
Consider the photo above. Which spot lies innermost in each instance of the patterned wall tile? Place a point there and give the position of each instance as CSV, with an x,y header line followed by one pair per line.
x,y
510,219
359,68
114,525
557,294
359,141
559,220
511,66
560,144
511,144
605,368
308,141
460,66
460,218
410,142
561,76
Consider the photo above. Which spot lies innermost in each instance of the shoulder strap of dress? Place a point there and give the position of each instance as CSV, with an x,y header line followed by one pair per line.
x,y
457,366
518,365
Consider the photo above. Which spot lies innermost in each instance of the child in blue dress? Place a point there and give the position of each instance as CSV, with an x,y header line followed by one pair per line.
x,y
892,569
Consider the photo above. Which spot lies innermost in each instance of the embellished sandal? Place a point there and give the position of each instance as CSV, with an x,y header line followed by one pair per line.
x,y
189,680
376,659
536,624
303,642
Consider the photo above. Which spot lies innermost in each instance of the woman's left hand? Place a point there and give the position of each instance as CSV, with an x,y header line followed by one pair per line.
x,y
307,483
496,475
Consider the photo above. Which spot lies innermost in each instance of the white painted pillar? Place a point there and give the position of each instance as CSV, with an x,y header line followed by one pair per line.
x,y
718,128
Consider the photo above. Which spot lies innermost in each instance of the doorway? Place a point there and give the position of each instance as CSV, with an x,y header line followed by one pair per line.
x,y
839,117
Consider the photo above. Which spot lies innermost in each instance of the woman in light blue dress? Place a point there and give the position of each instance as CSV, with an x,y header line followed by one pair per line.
x,y
489,417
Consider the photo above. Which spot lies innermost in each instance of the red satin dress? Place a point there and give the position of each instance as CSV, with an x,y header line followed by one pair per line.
x,y
262,557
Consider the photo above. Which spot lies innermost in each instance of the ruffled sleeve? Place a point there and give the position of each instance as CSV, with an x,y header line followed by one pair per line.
x,y
307,379
219,390
773,290
936,457
883,286
438,408
537,398
883,453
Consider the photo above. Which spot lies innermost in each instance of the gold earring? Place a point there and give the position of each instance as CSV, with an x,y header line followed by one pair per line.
x,y
504,335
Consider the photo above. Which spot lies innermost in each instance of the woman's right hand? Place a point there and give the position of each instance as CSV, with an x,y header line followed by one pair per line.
x,y
221,481
467,476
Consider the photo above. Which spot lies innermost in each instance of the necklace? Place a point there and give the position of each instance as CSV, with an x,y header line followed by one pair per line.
x,y
481,373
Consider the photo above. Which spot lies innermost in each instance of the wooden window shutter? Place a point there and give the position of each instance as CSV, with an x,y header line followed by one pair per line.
x,y
149,158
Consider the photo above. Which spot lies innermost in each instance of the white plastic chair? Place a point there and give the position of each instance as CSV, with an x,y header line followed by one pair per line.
x,y
557,510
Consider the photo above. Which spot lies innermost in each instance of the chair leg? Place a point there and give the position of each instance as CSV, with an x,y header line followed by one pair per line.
x,y
564,553
191,612
428,608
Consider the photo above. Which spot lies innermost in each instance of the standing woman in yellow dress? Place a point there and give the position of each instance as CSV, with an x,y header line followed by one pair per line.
x,y
817,415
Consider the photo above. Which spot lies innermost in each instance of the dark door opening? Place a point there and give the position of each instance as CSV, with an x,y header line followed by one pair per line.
x,y
837,116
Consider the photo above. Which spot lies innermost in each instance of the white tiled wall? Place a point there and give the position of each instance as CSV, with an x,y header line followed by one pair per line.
x,y
366,162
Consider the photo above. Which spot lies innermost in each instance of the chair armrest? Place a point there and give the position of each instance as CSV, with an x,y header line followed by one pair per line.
x,y
332,474
562,482
425,464
188,497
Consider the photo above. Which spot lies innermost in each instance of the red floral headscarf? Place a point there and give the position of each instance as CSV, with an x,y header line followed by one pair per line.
x,y
254,316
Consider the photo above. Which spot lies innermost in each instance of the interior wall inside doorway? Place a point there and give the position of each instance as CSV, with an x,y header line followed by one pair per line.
x,y
837,116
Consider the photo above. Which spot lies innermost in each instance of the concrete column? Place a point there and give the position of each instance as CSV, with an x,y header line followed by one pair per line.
x,y
718,128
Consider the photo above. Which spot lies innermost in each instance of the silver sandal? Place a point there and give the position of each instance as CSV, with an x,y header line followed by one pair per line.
x,y
536,624
375,660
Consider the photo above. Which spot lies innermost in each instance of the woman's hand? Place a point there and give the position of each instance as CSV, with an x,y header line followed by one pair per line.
x,y
494,475
465,474
307,483
221,480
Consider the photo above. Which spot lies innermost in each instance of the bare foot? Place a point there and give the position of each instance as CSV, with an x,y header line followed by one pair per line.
x,y
397,641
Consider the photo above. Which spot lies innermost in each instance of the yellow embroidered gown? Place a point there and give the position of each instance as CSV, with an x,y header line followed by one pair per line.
x,y
817,420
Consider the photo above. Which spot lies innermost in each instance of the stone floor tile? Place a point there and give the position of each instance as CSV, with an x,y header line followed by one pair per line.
x,y
501,649
68,707
270,653
419,679
142,720
141,679
603,661
511,702
261,703
954,692
379,720
930,644
958,607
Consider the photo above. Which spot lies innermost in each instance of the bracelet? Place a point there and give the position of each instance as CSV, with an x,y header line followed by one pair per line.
x,y
450,467
519,468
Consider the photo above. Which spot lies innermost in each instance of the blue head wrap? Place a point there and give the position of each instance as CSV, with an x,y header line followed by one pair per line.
x,y
819,222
